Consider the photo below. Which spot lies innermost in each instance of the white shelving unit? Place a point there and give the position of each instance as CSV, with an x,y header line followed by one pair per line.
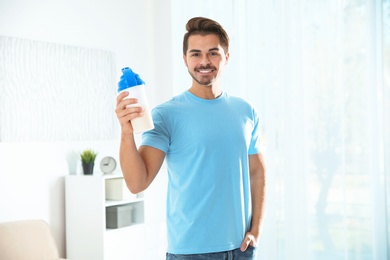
x,y
86,234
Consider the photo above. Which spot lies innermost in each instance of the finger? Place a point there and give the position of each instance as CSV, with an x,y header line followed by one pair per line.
x,y
125,103
121,96
125,119
130,112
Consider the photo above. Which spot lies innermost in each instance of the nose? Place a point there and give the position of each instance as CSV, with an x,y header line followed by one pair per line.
x,y
205,60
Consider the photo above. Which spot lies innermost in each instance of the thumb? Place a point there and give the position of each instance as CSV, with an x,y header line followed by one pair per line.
x,y
245,244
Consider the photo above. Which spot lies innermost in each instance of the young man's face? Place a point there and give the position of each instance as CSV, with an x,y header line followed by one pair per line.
x,y
205,58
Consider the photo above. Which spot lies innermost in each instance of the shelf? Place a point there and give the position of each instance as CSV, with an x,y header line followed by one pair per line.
x,y
112,176
110,203
124,229
89,237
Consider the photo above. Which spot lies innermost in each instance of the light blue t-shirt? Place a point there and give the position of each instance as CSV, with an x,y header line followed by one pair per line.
x,y
207,143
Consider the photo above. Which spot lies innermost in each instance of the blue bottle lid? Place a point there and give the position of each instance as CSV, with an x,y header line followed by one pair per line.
x,y
129,79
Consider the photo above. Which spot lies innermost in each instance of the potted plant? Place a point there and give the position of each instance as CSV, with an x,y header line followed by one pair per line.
x,y
88,161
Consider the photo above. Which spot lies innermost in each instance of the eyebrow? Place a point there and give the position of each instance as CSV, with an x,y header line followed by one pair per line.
x,y
212,49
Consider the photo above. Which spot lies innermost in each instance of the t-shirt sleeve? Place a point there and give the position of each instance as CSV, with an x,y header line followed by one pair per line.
x,y
255,144
159,136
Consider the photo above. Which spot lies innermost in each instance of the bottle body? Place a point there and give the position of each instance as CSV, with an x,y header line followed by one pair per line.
x,y
145,122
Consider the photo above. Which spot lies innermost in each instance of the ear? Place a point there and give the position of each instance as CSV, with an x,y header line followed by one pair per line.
x,y
185,60
227,55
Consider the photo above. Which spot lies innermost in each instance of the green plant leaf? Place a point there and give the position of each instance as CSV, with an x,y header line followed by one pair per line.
x,y
88,156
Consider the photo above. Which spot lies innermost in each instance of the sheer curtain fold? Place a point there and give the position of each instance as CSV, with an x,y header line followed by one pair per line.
x,y
318,73
386,108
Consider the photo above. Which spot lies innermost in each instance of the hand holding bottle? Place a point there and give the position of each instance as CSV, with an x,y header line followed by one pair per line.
x,y
132,104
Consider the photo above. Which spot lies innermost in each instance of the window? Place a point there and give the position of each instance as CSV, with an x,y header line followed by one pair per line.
x,y
319,74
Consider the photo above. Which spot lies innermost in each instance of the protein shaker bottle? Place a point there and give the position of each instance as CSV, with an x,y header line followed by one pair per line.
x,y
132,83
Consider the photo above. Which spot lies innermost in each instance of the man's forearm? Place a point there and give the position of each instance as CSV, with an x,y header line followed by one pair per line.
x,y
258,190
258,193
132,165
257,186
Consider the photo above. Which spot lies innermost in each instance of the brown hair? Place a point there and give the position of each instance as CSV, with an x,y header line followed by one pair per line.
x,y
205,26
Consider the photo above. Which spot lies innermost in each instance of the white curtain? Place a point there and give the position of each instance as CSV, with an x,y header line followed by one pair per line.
x,y
318,72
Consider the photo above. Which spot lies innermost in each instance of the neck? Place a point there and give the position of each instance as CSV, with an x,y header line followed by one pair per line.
x,y
206,92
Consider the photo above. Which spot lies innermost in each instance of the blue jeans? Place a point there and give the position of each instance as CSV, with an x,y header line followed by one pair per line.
x,y
235,254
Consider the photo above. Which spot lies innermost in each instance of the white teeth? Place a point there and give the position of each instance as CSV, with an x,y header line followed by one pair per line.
x,y
204,71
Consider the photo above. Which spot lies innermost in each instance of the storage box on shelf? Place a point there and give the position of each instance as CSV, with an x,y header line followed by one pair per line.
x,y
100,214
116,189
118,216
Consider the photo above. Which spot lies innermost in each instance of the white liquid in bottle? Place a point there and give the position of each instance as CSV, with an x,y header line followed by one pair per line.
x,y
145,122
133,84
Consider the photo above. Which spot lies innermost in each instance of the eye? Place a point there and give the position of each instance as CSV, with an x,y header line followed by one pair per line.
x,y
214,53
195,54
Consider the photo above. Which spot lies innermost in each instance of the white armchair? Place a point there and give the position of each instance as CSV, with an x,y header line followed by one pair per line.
x,y
27,240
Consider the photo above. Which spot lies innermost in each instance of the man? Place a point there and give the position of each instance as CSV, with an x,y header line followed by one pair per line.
x,y
211,141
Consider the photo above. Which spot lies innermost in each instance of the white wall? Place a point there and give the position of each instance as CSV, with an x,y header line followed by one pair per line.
x,y
31,174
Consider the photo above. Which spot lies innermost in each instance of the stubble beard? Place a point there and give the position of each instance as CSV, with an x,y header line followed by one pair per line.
x,y
207,82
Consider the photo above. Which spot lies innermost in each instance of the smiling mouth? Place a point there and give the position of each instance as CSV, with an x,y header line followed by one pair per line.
x,y
205,70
